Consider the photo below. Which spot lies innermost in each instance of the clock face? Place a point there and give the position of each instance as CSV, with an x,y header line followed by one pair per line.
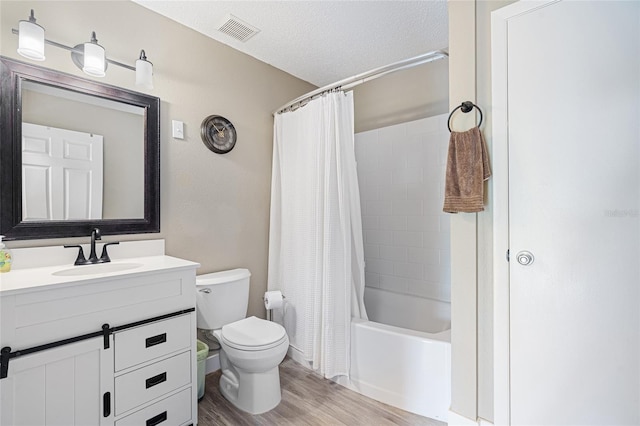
x,y
218,134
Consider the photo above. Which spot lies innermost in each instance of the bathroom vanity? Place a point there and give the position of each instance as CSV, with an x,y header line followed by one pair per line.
x,y
107,344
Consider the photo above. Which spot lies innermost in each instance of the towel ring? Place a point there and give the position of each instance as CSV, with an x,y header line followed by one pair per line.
x,y
466,106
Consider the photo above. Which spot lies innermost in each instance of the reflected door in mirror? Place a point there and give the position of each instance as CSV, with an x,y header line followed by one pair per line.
x,y
62,174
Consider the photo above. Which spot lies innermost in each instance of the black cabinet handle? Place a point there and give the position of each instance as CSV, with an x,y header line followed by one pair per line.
x,y
153,421
156,380
155,340
106,404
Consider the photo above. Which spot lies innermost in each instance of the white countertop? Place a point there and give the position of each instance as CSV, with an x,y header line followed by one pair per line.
x,y
26,279
35,279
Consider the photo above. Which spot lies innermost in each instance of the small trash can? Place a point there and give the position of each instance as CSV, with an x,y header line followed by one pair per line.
x,y
203,350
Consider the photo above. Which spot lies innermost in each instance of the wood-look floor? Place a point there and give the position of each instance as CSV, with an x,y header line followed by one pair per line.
x,y
307,399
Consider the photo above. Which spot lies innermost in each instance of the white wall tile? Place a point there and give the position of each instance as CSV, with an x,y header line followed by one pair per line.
x,y
372,251
401,175
371,280
409,270
393,253
430,290
430,257
378,207
407,207
407,175
437,274
394,283
426,223
391,133
375,236
379,266
407,238
369,191
392,222
370,222
391,191
376,177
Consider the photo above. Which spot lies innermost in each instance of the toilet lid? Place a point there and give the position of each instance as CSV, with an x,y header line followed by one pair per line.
x,y
253,332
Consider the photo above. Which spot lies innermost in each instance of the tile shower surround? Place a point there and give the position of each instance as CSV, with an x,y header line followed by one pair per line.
x,y
401,172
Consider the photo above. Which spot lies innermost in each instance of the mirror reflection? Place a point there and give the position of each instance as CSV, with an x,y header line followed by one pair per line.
x,y
82,156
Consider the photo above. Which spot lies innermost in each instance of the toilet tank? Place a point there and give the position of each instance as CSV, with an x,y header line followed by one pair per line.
x,y
222,298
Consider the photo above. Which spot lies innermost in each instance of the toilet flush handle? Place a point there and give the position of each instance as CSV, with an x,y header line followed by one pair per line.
x,y
205,290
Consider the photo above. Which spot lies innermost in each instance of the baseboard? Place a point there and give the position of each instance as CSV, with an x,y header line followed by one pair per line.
x,y
213,363
456,419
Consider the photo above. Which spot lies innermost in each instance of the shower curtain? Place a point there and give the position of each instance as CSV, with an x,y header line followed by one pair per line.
x,y
316,254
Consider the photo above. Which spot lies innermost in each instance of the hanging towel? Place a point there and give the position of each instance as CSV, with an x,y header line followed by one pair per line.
x,y
467,169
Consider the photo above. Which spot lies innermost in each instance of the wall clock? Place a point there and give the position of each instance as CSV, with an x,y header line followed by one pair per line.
x,y
218,134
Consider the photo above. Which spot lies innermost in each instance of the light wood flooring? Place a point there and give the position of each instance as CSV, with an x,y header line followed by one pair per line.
x,y
307,399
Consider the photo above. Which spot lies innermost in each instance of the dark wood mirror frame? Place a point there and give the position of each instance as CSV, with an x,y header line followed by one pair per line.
x,y
12,74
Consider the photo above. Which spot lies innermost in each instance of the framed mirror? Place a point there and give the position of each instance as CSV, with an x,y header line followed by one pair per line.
x,y
74,155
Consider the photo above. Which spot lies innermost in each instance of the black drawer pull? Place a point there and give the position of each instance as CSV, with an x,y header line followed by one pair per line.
x,y
156,380
153,421
155,340
106,404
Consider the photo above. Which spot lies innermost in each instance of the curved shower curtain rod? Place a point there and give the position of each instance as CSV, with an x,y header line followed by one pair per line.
x,y
358,79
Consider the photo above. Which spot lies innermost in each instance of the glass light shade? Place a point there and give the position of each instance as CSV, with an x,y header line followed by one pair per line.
x,y
31,40
94,60
144,74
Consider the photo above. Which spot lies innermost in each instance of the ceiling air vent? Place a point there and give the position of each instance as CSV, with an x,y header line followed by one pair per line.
x,y
238,29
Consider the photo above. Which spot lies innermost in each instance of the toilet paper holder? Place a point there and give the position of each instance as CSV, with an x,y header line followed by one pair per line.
x,y
269,317
264,299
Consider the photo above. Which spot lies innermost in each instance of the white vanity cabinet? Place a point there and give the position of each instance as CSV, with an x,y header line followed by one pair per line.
x,y
59,386
120,347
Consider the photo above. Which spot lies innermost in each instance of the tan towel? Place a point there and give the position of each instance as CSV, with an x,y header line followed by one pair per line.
x,y
467,169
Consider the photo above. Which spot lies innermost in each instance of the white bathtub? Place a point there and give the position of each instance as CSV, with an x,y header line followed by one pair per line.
x,y
408,369
399,366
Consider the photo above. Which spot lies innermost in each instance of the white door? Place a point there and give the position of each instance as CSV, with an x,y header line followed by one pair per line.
x,y
61,174
574,189
62,386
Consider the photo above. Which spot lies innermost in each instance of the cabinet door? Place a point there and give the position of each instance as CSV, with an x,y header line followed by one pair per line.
x,y
60,386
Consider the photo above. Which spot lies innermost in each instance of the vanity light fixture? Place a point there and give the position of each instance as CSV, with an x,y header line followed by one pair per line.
x,y
93,58
144,72
89,57
31,39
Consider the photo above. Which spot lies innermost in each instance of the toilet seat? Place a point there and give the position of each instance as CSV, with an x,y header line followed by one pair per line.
x,y
253,334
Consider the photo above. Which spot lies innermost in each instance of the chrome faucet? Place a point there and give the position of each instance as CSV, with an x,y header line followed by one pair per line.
x,y
93,258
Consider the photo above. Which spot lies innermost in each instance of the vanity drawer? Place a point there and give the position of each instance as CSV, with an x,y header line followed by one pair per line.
x,y
147,342
152,381
172,411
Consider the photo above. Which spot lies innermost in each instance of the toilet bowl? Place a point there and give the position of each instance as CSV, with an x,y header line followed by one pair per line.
x,y
251,348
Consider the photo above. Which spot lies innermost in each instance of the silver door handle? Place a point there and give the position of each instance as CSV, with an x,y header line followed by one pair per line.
x,y
205,290
525,258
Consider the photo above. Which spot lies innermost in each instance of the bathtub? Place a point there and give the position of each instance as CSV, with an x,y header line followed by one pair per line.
x,y
400,366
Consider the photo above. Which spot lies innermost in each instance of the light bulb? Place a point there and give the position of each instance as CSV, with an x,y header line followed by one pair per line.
x,y
144,72
31,39
94,59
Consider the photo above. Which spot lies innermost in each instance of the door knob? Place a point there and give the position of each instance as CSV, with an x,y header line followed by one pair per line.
x,y
525,258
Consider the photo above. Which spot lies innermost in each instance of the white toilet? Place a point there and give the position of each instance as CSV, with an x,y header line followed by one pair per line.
x,y
251,348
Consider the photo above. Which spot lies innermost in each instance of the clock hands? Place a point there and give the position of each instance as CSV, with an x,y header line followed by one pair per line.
x,y
220,132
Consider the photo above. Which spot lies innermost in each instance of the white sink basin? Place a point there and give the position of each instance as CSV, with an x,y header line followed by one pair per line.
x,y
101,268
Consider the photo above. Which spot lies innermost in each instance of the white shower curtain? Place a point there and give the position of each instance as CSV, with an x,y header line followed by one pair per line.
x,y
316,254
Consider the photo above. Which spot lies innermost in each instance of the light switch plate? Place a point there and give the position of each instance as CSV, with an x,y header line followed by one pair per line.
x,y
177,129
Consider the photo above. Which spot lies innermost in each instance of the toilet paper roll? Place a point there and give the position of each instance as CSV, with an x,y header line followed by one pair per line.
x,y
273,299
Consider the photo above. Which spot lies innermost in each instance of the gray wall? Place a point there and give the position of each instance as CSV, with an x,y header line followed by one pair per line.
x,y
403,96
215,208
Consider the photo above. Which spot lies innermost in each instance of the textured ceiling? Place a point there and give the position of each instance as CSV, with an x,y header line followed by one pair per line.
x,y
320,41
